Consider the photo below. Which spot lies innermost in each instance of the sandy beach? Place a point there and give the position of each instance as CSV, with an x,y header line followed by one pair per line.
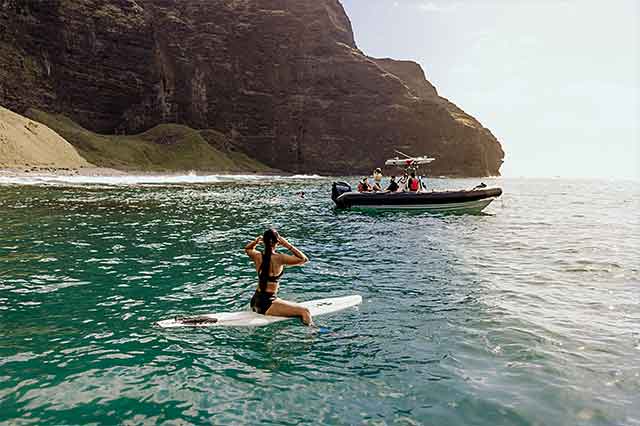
x,y
104,174
61,171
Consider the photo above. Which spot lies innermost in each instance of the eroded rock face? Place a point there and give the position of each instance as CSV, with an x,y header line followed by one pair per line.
x,y
282,78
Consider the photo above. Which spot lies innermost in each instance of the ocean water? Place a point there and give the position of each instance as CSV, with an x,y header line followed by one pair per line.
x,y
526,315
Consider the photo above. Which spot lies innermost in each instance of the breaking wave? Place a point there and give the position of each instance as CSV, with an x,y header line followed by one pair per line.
x,y
150,179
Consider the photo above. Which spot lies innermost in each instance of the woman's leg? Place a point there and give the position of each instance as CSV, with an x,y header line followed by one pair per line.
x,y
282,308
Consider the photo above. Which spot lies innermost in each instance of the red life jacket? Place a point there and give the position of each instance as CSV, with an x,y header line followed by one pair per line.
x,y
414,184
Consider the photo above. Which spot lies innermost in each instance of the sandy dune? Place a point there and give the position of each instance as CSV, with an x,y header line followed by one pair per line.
x,y
26,143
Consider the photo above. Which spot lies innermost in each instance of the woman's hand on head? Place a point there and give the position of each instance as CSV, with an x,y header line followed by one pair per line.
x,y
283,241
250,248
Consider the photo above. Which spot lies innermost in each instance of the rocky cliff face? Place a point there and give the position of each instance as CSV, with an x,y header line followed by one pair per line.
x,y
282,78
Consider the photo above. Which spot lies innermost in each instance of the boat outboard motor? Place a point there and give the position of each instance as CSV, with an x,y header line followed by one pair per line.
x,y
339,188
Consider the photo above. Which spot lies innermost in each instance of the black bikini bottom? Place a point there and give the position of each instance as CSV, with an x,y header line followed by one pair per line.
x,y
261,302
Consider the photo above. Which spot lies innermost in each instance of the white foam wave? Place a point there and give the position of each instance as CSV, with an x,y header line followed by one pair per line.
x,y
127,180
305,177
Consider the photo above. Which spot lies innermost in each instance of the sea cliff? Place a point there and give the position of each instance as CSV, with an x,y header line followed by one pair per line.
x,y
282,80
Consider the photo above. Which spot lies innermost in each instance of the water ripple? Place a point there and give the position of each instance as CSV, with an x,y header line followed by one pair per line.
x,y
526,315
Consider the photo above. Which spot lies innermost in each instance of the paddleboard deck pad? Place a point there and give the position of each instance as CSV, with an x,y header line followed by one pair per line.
x,y
252,319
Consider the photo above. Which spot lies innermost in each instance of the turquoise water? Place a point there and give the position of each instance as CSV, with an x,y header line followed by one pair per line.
x,y
528,315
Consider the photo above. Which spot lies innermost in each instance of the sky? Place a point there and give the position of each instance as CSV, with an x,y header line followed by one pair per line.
x,y
556,81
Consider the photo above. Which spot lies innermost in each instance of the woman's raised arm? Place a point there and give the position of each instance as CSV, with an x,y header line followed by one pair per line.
x,y
298,258
250,248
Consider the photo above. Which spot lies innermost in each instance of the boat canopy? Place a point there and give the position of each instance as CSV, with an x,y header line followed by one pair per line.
x,y
409,161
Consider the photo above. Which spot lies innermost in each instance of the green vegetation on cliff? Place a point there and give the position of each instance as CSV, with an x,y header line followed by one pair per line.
x,y
167,147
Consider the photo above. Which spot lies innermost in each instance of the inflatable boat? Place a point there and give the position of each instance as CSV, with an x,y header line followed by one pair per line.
x,y
472,201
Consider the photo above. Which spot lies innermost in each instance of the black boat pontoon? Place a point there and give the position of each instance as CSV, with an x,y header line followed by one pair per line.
x,y
437,201
474,200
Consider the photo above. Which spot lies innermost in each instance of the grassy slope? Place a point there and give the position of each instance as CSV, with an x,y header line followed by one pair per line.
x,y
167,147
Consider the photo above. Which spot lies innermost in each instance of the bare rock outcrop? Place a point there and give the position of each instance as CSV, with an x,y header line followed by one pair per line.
x,y
283,79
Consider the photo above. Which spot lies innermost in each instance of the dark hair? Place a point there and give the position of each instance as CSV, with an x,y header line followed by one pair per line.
x,y
413,174
270,239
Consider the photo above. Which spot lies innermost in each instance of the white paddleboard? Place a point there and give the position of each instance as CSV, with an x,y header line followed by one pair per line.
x,y
251,319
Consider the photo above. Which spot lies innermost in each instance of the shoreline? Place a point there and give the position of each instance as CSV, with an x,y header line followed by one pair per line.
x,y
52,171
33,171
44,171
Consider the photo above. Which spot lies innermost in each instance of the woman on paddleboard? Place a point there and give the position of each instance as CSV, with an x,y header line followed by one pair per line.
x,y
270,267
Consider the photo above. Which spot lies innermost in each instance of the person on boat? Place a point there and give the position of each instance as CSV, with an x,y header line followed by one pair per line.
x,y
377,179
363,185
402,182
423,187
393,185
270,267
413,184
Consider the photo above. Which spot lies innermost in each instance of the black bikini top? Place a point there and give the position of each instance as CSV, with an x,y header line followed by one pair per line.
x,y
276,278
270,279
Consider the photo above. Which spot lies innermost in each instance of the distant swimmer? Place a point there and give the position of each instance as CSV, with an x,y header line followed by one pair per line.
x,y
270,267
